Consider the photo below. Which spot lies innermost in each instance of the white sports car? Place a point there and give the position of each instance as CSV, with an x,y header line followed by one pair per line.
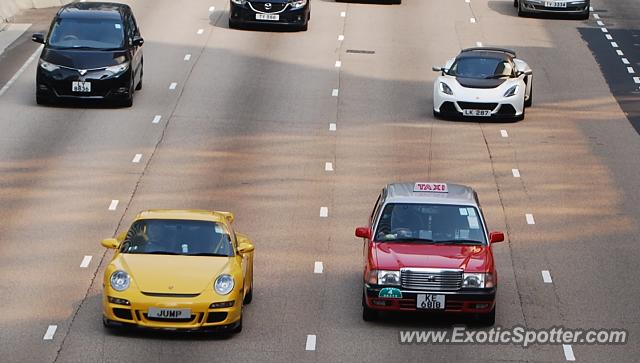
x,y
483,83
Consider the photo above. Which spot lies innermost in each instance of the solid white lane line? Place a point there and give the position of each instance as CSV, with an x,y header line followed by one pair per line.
x,y
631,70
318,268
324,212
619,52
546,277
596,16
530,219
343,14
311,342
614,44
472,20
212,9
625,61
609,37
200,31
137,158
328,166
187,57
516,173
504,133
478,44
173,85
636,79
332,127
335,92
568,352
51,331
114,204
156,119
600,23
85,262
13,79
590,8
340,37
338,64
604,30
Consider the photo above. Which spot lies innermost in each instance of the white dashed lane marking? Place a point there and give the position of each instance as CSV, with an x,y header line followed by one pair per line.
x,y
614,44
609,37
156,119
636,79
332,127
335,92
318,268
114,204
530,219
173,85
472,20
343,14
328,166
311,342
600,23
212,9
51,331
324,212
85,262
136,159
340,37
568,352
504,133
516,173
604,30
546,277
200,31
338,64
620,53
478,44
596,16
187,57
625,61
631,70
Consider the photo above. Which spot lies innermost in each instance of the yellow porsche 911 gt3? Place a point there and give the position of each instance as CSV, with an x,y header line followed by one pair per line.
x,y
179,270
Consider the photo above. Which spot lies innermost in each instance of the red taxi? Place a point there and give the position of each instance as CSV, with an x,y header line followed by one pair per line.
x,y
427,248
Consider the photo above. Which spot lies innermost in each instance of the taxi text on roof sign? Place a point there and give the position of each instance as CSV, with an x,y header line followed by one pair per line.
x,y
431,187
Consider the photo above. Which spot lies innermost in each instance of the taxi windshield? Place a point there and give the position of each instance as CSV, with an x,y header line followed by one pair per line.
x,y
430,223
177,237
87,33
481,67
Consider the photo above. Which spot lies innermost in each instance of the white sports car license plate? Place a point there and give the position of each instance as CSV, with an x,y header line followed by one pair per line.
x,y
81,86
430,301
476,113
169,313
271,17
555,4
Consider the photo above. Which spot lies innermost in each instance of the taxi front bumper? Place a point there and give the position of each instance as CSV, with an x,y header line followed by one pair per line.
x,y
463,301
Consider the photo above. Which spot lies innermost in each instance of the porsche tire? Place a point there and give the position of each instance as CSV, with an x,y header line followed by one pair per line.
x,y
248,297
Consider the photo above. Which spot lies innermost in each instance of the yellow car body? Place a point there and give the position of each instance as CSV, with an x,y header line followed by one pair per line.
x,y
176,291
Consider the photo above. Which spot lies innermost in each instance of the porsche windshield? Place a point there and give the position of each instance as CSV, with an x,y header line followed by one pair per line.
x,y
480,67
177,237
87,33
430,223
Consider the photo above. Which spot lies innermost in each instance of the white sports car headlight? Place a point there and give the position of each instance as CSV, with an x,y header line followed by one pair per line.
x,y
512,91
444,88
224,284
120,280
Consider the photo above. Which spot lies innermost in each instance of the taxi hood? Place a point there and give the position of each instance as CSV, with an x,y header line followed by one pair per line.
x,y
173,274
396,255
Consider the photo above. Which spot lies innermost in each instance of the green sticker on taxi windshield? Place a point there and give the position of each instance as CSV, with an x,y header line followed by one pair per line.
x,y
391,293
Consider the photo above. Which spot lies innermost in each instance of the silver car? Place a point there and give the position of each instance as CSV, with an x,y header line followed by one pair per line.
x,y
580,8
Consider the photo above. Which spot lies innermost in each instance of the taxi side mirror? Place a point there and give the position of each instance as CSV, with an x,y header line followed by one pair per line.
x,y
363,232
110,243
38,38
496,237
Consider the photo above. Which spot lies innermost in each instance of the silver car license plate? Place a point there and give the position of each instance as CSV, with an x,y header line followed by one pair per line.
x,y
430,301
84,87
476,113
169,313
271,17
555,4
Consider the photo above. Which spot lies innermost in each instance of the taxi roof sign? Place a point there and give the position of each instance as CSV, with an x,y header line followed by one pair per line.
x,y
431,187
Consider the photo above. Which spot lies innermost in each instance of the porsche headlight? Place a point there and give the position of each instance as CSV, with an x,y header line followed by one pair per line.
x,y
120,68
49,67
477,281
120,280
389,278
444,88
224,284
297,4
512,91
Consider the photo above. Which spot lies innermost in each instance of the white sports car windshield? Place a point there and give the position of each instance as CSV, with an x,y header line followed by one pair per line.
x,y
481,68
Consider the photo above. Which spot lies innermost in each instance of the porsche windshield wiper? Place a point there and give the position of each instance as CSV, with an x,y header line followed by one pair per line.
x,y
160,253
208,254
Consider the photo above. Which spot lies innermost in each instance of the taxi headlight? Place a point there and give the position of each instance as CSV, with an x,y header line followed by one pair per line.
x,y
49,67
477,281
386,277
511,91
224,284
120,280
297,4
120,68
444,88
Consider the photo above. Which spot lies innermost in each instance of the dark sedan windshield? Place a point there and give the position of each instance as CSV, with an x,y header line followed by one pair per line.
x,y
177,237
86,33
481,67
430,223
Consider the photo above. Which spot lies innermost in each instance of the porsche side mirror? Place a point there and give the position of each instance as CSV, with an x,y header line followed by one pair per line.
x,y
245,247
363,232
110,243
38,38
495,237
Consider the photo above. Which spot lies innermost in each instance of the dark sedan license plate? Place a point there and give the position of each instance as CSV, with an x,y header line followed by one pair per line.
x,y
555,4
83,87
270,17
430,302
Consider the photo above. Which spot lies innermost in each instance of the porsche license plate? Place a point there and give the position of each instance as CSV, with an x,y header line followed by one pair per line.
x,y
169,313
476,113
555,4
84,87
271,17
430,302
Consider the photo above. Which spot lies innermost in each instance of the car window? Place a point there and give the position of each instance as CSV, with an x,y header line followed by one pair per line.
x,y
92,33
481,67
430,223
179,237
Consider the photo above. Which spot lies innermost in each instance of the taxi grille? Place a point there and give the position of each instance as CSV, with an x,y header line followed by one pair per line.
x,y
433,280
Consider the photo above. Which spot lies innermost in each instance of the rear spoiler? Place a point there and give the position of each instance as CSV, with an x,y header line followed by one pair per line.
x,y
491,49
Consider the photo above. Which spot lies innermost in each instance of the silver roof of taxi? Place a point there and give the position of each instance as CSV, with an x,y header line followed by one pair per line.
x,y
403,193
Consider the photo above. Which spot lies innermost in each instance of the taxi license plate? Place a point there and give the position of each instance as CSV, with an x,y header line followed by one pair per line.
x,y
476,113
430,302
169,313
271,17
555,4
81,87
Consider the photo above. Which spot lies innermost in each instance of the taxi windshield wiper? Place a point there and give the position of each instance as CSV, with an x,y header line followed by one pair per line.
x,y
411,239
459,242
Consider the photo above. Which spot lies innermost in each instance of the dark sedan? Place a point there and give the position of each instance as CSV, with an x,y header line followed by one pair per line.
x,y
93,52
579,8
287,13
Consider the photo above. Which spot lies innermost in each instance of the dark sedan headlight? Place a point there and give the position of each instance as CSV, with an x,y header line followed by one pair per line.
x,y
120,280
117,70
444,88
239,2
512,91
49,67
297,4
